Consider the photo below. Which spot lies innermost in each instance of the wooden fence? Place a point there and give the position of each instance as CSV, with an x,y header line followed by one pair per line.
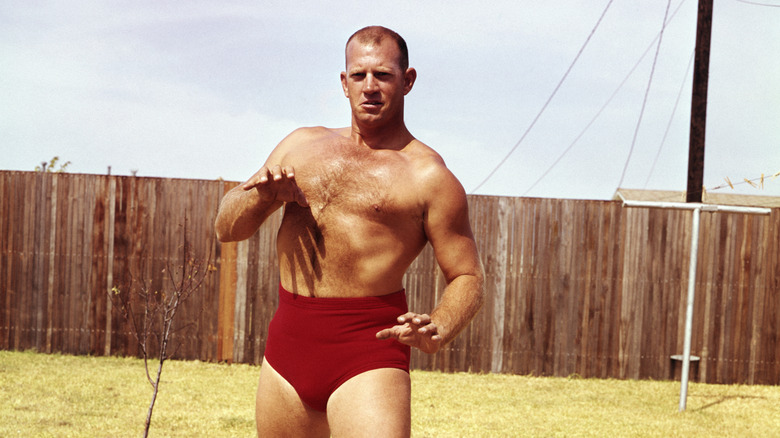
x,y
573,287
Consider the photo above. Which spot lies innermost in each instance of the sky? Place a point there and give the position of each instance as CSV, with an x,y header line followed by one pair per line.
x,y
205,90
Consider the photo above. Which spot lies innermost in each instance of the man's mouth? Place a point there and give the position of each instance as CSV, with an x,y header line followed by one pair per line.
x,y
372,103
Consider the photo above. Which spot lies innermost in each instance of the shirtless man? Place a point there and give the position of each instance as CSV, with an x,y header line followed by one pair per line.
x,y
360,203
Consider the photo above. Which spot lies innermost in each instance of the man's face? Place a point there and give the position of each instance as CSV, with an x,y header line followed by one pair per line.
x,y
375,83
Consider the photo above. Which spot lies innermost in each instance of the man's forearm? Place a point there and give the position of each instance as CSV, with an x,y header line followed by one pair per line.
x,y
462,300
241,213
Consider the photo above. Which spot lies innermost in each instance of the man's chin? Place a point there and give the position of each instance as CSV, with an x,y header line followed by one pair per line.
x,y
370,111
369,119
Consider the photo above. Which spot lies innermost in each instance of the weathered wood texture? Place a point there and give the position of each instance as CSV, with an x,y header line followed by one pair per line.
x,y
573,287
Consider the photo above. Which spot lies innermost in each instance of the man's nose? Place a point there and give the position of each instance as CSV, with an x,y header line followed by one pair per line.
x,y
370,84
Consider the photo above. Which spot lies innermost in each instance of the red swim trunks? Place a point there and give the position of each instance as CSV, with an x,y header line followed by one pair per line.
x,y
317,344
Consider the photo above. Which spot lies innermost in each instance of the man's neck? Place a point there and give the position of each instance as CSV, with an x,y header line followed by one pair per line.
x,y
395,138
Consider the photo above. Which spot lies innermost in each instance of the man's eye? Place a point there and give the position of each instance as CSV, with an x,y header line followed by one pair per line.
x,y
358,75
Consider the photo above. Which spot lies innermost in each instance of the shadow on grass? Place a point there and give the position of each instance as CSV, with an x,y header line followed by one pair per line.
x,y
726,398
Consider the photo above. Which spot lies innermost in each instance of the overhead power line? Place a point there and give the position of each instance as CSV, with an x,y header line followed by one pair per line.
x,y
544,107
606,103
647,92
671,118
759,4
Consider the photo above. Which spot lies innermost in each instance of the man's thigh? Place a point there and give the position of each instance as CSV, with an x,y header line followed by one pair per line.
x,y
279,411
376,403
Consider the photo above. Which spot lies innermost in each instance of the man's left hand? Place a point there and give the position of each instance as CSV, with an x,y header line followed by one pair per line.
x,y
416,330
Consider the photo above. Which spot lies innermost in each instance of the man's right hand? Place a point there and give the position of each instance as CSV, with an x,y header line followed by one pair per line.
x,y
278,183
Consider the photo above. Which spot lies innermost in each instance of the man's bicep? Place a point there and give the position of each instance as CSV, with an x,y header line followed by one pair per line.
x,y
450,234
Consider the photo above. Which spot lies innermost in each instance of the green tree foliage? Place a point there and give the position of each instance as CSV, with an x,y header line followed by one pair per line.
x,y
50,166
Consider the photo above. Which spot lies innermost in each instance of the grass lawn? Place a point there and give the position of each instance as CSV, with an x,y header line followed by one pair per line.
x,y
67,396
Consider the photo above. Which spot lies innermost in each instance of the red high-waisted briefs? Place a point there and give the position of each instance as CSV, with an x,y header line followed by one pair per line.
x,y
317,344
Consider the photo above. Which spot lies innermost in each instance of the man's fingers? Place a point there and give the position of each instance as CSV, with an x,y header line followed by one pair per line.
x,y
383,334
409,324
391,332
283,177
429,328
427,340
280,172
260,177
422,320
277,173
407,317
415,318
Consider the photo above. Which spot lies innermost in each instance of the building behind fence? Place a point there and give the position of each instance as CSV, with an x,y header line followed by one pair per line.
x,y
573,287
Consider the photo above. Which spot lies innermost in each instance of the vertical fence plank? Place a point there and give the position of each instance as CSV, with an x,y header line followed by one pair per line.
x,y
499,285
240,329
228,277
109,285
51,247
6,240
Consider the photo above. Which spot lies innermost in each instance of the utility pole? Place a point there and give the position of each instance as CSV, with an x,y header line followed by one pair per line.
x,y
701,71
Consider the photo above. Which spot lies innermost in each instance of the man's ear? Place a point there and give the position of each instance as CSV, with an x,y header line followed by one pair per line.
x,y
409,77
344,83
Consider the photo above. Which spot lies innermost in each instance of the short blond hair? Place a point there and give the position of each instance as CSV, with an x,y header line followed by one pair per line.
x,y
377,34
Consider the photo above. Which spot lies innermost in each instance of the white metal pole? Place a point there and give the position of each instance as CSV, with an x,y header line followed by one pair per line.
x,y
697,208
686,362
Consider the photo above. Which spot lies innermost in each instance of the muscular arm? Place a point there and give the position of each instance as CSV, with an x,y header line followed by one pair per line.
x,y
447,228
241,213
245,207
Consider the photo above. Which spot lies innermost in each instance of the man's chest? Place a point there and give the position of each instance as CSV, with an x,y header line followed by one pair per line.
x,y
373,186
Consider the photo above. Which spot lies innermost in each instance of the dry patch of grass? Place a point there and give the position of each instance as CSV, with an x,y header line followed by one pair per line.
x,y
72,396
465,405
68,396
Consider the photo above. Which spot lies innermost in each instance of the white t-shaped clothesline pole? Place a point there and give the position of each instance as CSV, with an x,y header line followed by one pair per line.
x,y
697,209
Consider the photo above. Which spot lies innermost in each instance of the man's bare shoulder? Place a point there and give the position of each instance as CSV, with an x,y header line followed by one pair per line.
x,y
312,133
298,140
436,184
429,164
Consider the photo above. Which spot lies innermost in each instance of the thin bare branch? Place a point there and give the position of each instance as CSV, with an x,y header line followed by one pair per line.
x,y
158,319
